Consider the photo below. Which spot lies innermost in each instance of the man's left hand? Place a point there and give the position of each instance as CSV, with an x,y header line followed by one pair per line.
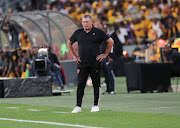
x,y
100,57
110,60
59,67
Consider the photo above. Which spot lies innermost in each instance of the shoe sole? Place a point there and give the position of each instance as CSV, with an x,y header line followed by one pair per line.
x,y
94,111
75,112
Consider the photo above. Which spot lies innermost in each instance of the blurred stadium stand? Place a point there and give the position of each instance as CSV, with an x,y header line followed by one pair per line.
x,y
6,4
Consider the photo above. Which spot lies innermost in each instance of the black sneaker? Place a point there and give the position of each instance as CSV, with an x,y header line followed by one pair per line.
x,y
62,88
170,89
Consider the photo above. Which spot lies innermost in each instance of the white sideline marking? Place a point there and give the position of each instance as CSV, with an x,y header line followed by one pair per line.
x,y
13,107
33,110
60,112
164,108
51,123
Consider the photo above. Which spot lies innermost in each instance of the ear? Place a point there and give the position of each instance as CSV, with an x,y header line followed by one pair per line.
x,y
78,71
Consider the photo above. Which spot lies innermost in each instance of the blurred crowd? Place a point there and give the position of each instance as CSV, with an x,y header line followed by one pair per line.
x,y
16,35
16,63
134,21
16,54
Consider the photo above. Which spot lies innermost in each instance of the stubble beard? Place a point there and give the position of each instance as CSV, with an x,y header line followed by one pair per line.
x,y
87,28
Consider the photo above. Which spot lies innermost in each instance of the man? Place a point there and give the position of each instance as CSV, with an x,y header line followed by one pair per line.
x,y
173,57
106,63
89,39
170,55
12,30
58,72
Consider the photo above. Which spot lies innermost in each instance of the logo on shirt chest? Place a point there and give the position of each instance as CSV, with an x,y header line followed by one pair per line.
x,y
93,34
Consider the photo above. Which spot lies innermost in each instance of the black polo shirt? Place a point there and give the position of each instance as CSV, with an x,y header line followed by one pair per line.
x,y
53,58
89,43
173,56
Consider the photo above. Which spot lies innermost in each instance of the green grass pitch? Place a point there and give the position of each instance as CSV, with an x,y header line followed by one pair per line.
x,y
122,110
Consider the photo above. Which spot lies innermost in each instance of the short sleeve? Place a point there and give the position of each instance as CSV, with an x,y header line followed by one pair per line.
x,y
73,38
104,36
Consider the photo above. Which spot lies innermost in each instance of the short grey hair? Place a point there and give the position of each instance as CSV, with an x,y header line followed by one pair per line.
x,y
87,16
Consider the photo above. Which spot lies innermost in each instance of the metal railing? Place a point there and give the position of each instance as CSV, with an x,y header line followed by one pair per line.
x,y
41,27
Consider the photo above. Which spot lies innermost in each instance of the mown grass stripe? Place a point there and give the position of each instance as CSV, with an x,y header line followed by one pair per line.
x,y
13,107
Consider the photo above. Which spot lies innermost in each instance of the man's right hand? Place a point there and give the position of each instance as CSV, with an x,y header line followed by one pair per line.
x,y
110,60
163,53
77,59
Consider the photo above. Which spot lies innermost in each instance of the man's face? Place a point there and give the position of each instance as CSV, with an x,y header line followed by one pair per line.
x,y
35,51
86,23
19,52
98,25
167,49
46,46
6,49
